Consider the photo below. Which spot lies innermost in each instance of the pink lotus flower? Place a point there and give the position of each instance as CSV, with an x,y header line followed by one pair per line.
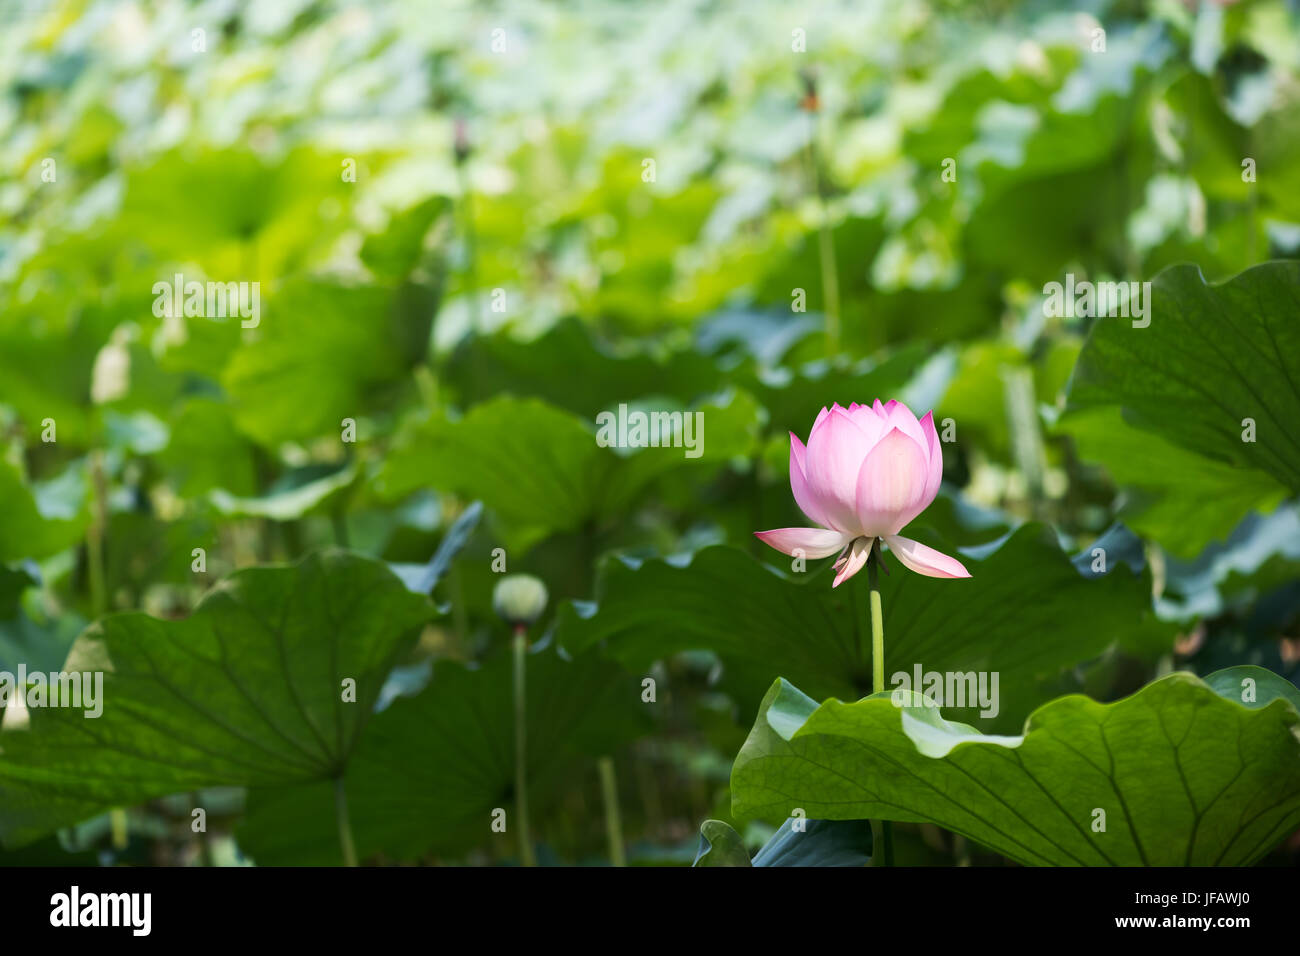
x,y
867,472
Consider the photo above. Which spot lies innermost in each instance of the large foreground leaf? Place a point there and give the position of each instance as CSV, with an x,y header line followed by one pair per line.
x,y
246,691
1183,775
432,768
1212,357
1025,613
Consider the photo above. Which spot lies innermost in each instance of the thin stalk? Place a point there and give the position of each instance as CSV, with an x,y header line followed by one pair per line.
x,y
648,789
1159,570
877,621
520,647
825,252
95,534
98,580
830,285
344,823
960,850
885,830
471,242
613,821
117,828
1027,443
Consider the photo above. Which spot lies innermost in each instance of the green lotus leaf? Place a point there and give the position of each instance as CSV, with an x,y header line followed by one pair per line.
x,y
432,768
1216,372
269,681
1179,774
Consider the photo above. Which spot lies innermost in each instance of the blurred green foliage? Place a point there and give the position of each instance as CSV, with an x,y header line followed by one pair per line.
x,y
473,231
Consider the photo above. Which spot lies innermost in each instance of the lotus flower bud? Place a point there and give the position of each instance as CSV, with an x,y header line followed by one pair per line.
x,y
460,141
519,598
867,471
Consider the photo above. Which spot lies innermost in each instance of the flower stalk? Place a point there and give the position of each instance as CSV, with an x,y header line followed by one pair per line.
x,y
344,823
520,599
613,819
119,828
865,474
884,829
520,650
877,621
811,104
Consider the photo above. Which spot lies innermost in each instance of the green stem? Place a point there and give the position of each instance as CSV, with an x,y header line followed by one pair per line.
x,y
649,791
960,850
95,535
830,286
877,621
471,244
520,647
118,828
344,823
885,829
826,253
1027,443
613,821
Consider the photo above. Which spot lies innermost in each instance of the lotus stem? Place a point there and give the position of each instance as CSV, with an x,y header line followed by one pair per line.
x,y
344,823
118,828
613,821
826,252
520,648
95,534
885,829
471,241
877,621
